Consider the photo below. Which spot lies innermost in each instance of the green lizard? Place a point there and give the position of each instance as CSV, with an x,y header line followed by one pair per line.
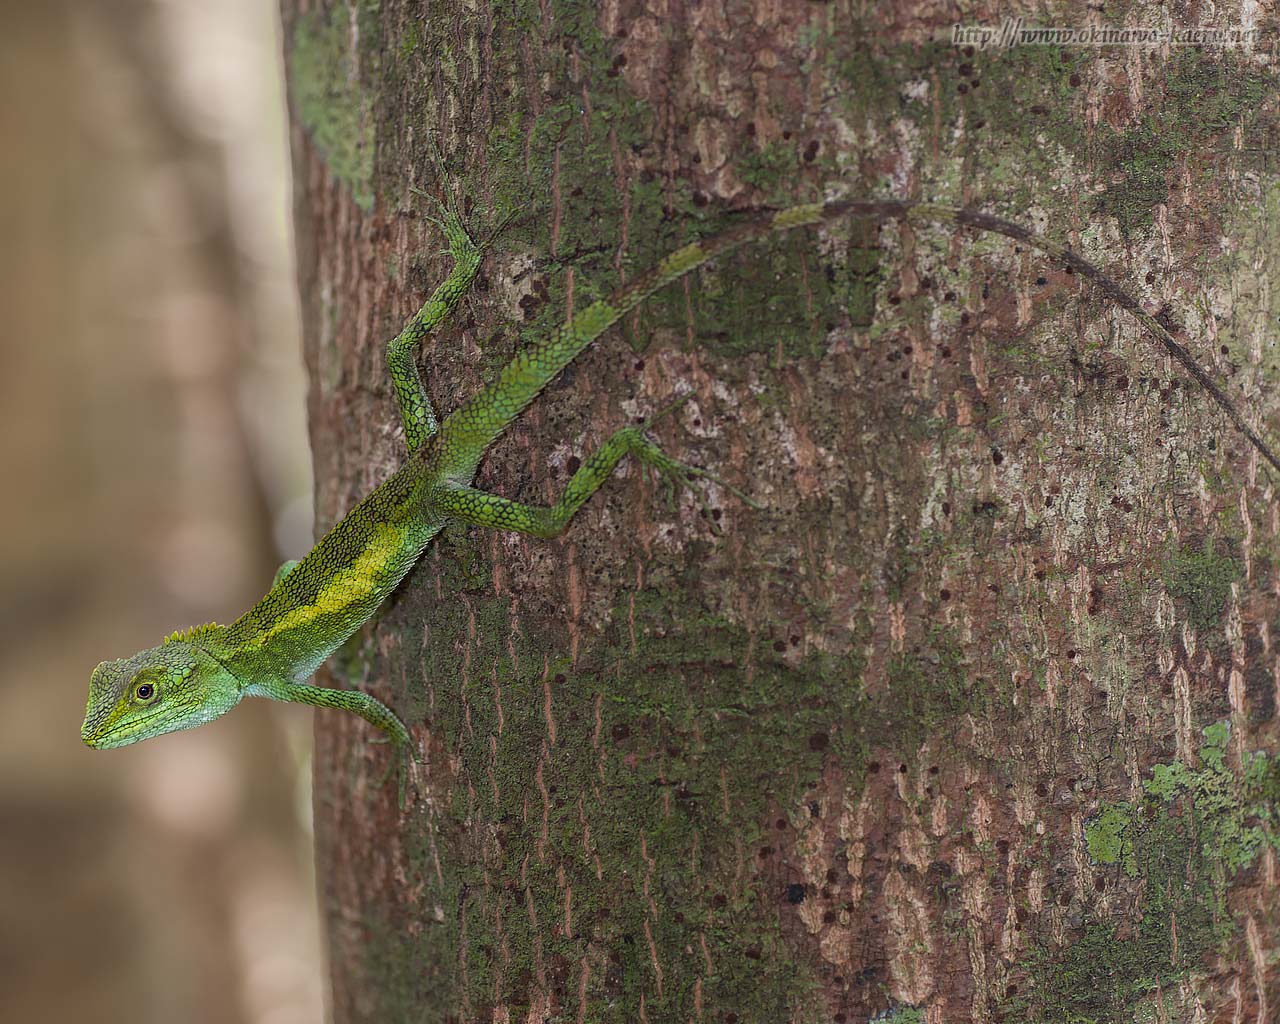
x,y
314,605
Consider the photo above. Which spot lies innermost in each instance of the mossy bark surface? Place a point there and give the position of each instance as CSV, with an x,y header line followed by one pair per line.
x,y
974,720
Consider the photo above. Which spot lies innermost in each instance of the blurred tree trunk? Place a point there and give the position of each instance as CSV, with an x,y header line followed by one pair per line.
x,y
971,722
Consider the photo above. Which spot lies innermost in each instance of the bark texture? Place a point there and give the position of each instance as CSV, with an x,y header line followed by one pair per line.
x,y
974,721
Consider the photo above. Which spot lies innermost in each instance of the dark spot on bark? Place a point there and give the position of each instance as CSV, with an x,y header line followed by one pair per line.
x,y
997,456
944,594
819,741
1095,600
873,767
795,893
620,732
1260,691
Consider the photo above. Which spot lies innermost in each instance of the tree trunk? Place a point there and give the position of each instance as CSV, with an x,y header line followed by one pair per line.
x,y
970,721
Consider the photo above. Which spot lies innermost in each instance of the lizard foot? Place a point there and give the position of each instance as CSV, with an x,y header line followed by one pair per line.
x,y
674,473
406,766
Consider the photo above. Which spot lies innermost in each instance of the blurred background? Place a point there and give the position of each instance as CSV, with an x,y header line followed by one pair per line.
x,y
154,472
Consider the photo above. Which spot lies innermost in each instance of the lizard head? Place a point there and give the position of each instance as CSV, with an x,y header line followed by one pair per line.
x,y
174,686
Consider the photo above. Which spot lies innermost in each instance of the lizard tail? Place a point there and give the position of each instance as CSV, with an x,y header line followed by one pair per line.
x,y
469,431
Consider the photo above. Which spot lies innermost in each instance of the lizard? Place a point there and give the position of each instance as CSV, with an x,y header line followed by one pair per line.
x,y
314,605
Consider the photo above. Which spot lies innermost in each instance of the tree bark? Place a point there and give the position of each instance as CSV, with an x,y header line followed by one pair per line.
x,y
971,721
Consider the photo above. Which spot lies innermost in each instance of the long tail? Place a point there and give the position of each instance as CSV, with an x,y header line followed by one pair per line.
x,y
469,431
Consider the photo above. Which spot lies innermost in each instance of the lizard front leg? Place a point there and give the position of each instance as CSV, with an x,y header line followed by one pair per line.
x,y
369,708
416,412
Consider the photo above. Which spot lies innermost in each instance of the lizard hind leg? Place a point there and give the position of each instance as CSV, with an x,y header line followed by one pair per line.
x,y
480,508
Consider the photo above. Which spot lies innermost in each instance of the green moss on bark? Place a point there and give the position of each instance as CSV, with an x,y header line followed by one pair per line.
x,y
1200,579
1207,95
333,104
1198,828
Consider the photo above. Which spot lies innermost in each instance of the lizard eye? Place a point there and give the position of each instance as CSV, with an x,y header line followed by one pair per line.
x,y
144,691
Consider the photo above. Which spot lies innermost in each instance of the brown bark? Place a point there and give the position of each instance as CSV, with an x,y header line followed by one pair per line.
x,y
970,722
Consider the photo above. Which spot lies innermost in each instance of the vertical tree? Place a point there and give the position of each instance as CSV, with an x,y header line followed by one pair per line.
x,y
972,721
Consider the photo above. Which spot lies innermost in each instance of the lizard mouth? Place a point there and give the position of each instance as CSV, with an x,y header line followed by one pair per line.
x,y
97,738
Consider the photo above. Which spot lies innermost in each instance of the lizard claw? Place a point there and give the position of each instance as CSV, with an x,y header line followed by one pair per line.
x,y
405,765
